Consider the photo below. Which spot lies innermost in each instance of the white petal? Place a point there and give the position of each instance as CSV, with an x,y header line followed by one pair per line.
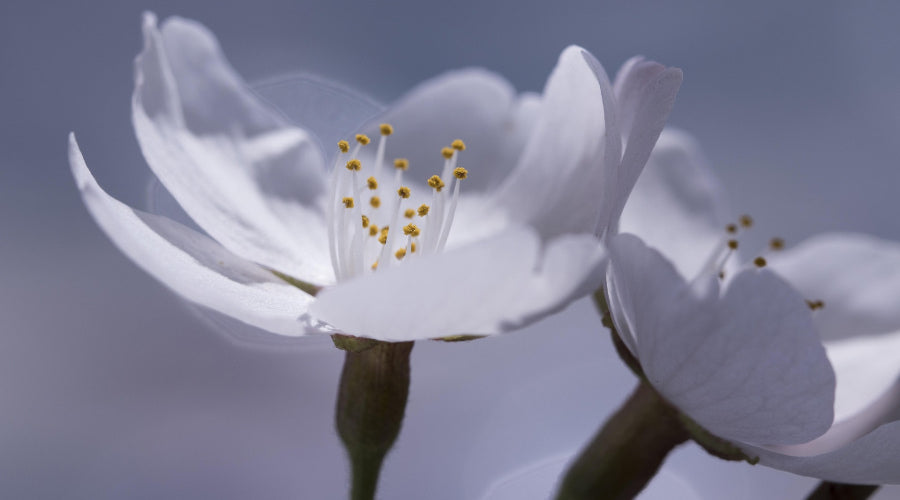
x,y
484,288
871,459
857,276
224,155
866,369
559,182
748,366
645,93
474,105
190,263
678,203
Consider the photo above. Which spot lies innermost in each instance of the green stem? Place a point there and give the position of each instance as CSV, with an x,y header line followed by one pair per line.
x,y
838,491
370,406
626,453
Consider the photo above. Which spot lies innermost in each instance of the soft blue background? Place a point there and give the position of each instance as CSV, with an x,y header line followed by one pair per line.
x,y
111,388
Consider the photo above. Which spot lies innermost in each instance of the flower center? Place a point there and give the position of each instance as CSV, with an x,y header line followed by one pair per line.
x,y
365,205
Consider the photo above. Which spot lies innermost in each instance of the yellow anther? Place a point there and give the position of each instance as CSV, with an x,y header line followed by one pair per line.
x,y
732,244
423,210
365,221
348,202
409,213
447,153
401,164
458,145
815,304
372,183
373,230
412,247
731,228
460,173
776,244
344,146
362,139
759,262
721,275
386,129
435,182
400,254
403,192
382,238
411,230
354,164
385,229
375,202
746,220
375,265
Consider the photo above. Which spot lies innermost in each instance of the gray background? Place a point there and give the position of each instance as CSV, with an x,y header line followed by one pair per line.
x,y
110,387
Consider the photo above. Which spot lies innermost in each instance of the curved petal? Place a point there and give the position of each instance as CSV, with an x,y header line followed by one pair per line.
x,y
866,369
747,366
191,264
871,459
484,288
234,166
678,203
857,276
645,93
474,105
572,153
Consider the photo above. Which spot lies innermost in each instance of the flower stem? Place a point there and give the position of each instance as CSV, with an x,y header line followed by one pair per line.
x,y
838,491
370,405
626,453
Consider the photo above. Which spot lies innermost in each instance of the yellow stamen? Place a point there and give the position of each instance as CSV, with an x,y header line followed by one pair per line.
x,y
460,173
400,254
411,230
401,164
344,146
409,213
435,182
412,247
447,153
746,220
362,139
732,244
365,221
815,304
423,210
759,262
375,265
348,202
372,183
404,192
458,145
354,165
731,228
373,230
385,129
776,244
382,238
375,202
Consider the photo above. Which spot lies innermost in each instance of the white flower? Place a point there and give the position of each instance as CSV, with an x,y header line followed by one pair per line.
x,y
522,244
749,364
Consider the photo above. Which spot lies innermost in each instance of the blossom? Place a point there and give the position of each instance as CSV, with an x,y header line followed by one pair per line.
x,y
793,357
466,209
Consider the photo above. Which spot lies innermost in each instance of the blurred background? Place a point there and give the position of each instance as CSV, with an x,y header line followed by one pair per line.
x,y
112,388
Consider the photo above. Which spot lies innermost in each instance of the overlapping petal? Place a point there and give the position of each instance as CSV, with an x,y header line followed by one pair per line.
x,y
235,166
191,264
678,204
747,365
483,288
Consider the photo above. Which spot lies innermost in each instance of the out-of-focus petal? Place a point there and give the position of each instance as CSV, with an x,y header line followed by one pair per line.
x,y
856,276
560,181
231,163
644,93
484,288
191,264
747,366
678,203
474,105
